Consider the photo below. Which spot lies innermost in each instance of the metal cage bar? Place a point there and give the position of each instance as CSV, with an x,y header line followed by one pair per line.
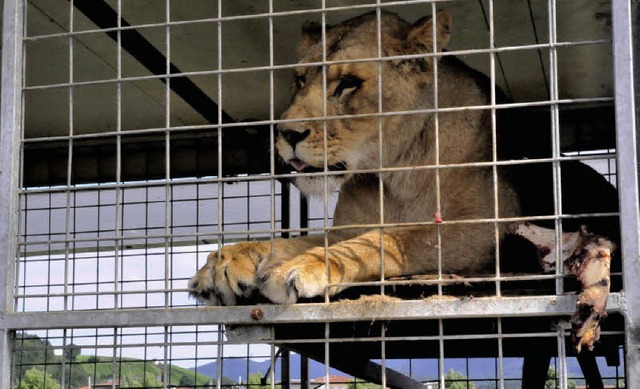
x,y
10,133
166,316
309,313
628,179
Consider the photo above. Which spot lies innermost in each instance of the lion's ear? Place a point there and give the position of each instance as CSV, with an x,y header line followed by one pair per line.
x,y
311,34
421,32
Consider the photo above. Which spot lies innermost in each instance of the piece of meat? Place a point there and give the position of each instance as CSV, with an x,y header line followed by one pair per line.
x,y
586,256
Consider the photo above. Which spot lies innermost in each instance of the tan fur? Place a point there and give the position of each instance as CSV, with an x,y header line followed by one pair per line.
x,y
297,268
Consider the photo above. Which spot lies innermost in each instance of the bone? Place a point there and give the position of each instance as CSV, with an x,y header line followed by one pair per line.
x,y
586,256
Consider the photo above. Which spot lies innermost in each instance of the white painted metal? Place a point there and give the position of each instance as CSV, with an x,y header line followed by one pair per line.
x,y
10,134
628,181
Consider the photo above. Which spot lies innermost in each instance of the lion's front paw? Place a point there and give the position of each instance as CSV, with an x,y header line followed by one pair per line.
x,y
228,273
286,282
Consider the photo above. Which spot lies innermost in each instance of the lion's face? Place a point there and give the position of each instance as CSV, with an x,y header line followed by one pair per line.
x,y
351,95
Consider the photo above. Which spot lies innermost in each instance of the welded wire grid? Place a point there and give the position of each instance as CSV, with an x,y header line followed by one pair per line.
x,y
78,268
128,243
205,356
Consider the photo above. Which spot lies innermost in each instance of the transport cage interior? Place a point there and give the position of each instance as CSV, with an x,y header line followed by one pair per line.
x,y
145,142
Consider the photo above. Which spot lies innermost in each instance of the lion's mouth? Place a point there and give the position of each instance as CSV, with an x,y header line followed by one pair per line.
x,y
303,167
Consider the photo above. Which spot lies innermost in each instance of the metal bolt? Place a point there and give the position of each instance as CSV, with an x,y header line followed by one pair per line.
x,y
257,314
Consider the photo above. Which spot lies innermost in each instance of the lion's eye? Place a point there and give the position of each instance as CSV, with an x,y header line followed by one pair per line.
x,y
300,80
348,84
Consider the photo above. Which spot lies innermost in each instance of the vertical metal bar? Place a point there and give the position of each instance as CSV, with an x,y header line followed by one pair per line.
x,y
327,336
272,156
436,140
500,355
219,357
68,210
166,374
628,181
114,356
65,348
219,184
220,188
555,139
118,243
380,155
383,353
272,366
325,162
494,144
561,372
168,216
10,134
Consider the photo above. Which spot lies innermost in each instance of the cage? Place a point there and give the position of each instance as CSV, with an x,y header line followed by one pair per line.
x,y
138,136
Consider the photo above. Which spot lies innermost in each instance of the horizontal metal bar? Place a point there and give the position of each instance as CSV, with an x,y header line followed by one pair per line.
x,y
180,74
327,228
100,13
304,12
144,157
264,177
180,129
443,281
483,307
243,334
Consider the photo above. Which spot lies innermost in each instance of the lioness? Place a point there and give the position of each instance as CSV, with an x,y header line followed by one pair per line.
x,y
297,266
429,208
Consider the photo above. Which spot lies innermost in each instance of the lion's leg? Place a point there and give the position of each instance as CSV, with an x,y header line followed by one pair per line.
x,y
403,251
231,271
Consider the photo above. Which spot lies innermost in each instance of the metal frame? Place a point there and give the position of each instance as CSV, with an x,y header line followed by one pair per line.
x,y
626,302
10,134
628,176
308,313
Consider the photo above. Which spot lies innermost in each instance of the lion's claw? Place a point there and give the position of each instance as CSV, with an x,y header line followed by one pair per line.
x,y
238,270
286,282
228,274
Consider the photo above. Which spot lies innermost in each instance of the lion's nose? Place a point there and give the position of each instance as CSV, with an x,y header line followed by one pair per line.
x,y
294,137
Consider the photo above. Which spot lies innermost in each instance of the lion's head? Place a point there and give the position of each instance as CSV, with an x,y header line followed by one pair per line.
x,y
354,88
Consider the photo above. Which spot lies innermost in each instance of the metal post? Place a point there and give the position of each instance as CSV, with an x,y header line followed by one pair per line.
x,y
10,130
628,182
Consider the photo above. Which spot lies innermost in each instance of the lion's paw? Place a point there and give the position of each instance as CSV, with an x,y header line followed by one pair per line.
x,y
285,282
228,274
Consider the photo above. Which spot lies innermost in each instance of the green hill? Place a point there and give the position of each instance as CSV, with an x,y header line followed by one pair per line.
x,y
35,354
136,373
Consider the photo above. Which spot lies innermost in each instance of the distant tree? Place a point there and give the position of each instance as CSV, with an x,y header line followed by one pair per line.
x,y
139,382
71,352
133,381
256,382
187,380
456,380
553,380
37,379
75,375
30,350
93,359
33,352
